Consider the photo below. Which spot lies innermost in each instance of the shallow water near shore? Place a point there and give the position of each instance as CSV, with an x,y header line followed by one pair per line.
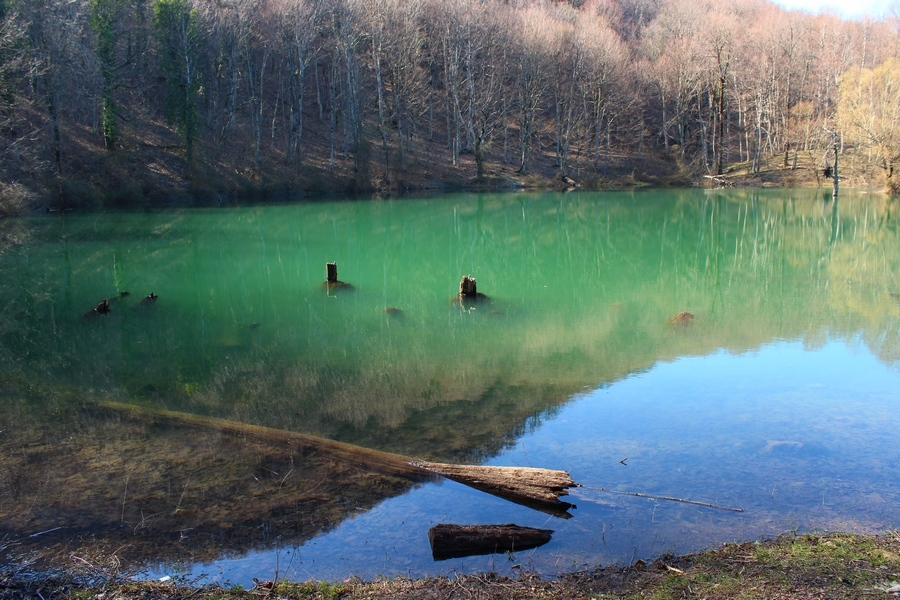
x,y
779,397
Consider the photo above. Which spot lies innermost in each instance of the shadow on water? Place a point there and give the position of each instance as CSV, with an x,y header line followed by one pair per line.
x,y
584,289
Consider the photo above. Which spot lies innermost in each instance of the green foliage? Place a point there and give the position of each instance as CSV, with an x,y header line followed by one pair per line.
x,y
179,41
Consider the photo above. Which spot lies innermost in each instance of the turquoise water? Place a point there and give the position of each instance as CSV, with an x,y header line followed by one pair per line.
x,y
778,396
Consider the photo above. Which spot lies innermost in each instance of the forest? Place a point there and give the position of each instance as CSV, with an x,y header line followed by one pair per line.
x,y
129,102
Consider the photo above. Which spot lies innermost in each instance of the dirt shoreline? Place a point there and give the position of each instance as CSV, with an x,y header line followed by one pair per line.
x,y
832,566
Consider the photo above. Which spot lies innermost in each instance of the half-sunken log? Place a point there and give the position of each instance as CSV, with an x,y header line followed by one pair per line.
x,y
456,541
367,458
536,488
529,486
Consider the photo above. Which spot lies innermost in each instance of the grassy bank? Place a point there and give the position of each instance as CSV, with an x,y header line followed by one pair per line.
x,y
793,566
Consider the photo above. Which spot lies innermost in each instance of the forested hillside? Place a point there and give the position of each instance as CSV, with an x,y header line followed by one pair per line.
x,y
144,101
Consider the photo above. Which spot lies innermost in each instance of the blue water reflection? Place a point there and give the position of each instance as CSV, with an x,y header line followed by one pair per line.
x,y
800,438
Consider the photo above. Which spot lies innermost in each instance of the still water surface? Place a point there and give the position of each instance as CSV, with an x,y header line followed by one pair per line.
x,y
780,397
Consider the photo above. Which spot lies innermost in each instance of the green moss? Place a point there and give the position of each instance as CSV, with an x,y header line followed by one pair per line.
x,y
312,590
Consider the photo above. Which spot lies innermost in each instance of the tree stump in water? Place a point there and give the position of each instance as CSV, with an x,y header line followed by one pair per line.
x,y
467,287
468,291
100,309
456,541
331,279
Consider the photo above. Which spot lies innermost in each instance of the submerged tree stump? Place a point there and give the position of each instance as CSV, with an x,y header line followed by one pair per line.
x,y
682,319
101,309
456,541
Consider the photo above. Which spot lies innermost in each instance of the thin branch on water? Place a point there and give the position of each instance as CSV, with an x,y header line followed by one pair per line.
x,y
654,497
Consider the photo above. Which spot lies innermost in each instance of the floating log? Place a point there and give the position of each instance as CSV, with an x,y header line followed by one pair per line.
x,y
457,541
536,488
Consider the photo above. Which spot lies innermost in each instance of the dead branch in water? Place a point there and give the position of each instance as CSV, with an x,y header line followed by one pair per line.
x,y
654,497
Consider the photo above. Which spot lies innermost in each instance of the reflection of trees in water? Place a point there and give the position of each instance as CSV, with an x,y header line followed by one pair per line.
x,y
597,277
752,266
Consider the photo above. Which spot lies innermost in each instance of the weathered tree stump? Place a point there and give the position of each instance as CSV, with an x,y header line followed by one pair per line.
x,y
332,283
457,541
467,287
468,291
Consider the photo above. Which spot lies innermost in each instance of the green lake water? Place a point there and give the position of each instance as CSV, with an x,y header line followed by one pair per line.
x,y
779,396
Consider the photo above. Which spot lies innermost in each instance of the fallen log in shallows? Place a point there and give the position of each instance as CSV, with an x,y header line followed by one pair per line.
x,y
536,488
457,541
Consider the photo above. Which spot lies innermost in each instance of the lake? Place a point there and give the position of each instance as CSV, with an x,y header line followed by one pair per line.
x,y
777,394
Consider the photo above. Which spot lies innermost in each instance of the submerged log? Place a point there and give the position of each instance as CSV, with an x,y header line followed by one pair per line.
x,y
457,541
536,488
374,460
682,319
529,486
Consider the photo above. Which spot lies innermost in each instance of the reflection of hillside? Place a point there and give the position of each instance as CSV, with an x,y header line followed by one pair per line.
x,y
168,494
583,285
